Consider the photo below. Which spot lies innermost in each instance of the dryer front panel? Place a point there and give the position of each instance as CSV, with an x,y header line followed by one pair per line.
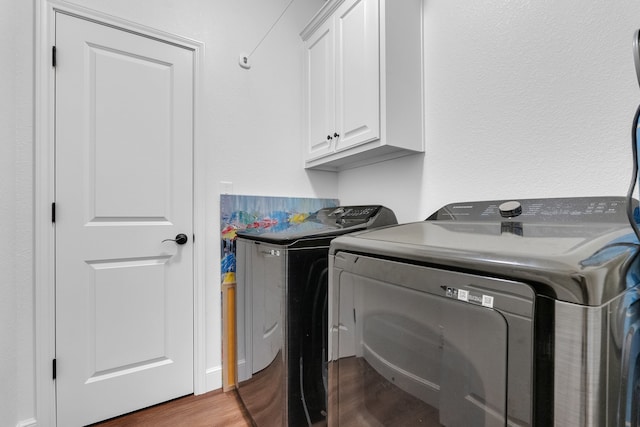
x,y
450,349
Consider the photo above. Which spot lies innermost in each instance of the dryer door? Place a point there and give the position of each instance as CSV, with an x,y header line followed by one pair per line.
x,y
406,353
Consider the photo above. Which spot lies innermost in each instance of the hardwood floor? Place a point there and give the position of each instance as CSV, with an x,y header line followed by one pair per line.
x,y
367,398
214,409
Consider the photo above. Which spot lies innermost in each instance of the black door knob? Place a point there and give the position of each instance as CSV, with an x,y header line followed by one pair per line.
x,y
180,239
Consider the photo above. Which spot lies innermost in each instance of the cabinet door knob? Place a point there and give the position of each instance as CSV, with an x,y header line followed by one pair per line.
x,y
336,134
329,137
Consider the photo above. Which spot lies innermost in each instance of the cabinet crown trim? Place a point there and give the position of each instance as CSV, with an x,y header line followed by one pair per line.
x,y
325,12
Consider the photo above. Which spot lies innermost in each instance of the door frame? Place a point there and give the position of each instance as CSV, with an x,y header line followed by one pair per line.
x,y
44,196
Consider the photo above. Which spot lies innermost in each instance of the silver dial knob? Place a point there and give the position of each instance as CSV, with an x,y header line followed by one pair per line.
x,y
510,209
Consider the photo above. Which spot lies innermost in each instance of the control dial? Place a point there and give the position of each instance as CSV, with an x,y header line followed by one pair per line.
x,y
510,209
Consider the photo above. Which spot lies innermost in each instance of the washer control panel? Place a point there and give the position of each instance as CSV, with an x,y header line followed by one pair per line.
x,y
354,212
350,216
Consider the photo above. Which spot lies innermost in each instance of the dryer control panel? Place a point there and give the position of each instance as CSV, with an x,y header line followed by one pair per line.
x,y
560,210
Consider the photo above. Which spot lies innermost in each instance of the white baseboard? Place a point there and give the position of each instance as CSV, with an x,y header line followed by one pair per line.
x,y
213,379
243,370
31,422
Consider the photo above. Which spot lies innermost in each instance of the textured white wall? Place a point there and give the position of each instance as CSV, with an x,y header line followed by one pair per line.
x,y
523,99
16,205
8,311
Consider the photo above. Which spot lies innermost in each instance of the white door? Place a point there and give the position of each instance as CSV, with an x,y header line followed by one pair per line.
x,y
357,73
320,96
124,298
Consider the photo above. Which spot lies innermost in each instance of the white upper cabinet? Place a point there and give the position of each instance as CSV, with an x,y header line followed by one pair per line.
x,y
320,91
363,77
357,73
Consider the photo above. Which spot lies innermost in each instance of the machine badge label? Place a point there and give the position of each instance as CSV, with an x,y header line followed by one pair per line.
x,y
466,296
487,301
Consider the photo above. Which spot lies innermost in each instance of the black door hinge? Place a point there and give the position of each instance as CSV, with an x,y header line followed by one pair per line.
x,y
53,212
53,56
53,366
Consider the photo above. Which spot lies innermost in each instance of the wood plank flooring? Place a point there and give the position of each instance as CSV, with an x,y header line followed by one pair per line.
x,y
213,409
367,398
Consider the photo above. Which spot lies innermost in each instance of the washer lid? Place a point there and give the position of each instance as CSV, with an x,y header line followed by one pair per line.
x,y
569,252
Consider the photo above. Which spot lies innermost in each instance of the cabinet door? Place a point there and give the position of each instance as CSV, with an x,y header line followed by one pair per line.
x,y
320,96
357,73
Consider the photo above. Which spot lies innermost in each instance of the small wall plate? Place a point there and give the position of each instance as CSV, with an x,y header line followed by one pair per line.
x,y
244,61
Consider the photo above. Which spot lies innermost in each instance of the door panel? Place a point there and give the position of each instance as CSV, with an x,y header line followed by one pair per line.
x,y
124,298
118,321
357,73
320,91
117,76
